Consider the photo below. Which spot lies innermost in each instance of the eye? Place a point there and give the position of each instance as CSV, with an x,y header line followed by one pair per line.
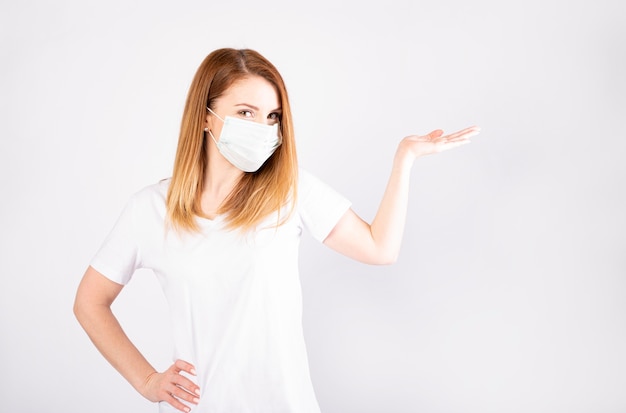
x,y
275,116
246,114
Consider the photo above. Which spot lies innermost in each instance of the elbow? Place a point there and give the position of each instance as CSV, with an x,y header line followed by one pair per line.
x,y
393,259
94,297
79,310
82,310
385,258
389,261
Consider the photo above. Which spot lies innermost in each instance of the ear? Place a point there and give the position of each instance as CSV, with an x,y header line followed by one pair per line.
x,y
208,121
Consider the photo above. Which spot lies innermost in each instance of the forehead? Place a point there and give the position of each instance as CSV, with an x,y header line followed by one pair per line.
x,y
253,90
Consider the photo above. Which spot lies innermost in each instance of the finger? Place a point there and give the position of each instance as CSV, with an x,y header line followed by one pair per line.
x,y
457,139
177,404
183,394
435,134
467,132
431,137
186,384
450,145
182,365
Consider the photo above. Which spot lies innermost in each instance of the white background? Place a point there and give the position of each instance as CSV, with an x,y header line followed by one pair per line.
x,y
509,292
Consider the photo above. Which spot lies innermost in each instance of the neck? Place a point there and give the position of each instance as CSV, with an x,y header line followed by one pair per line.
x,y
219,180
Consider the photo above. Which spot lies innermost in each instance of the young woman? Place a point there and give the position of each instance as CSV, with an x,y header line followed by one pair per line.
x,y
222,236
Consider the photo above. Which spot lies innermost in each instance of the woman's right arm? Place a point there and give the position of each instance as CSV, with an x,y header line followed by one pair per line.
x,y
92,308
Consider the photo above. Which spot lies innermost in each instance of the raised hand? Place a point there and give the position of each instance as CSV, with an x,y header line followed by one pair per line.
x,y
415,146
172,387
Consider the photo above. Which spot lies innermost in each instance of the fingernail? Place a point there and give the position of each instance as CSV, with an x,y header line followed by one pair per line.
x,y
197,391
187,409
193,371
196,400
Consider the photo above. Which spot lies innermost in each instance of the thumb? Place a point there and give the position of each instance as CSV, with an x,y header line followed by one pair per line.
x,y
435,134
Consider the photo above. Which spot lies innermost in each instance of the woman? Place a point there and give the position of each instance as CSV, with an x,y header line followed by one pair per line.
x,y
222,238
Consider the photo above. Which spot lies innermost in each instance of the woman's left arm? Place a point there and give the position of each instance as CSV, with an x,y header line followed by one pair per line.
x,y
379,242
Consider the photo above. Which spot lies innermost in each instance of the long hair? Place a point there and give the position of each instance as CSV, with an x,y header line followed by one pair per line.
x,y
257,194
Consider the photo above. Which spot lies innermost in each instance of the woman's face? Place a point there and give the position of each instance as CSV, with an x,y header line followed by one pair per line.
x,y
252,98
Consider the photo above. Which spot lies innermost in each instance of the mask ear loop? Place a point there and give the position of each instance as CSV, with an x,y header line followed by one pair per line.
x,y
207,129
279,133
218,116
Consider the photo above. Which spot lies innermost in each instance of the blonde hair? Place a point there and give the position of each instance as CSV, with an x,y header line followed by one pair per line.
x,y
257,194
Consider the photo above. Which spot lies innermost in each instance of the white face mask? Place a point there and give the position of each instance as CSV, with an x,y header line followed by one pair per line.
x,y
246,144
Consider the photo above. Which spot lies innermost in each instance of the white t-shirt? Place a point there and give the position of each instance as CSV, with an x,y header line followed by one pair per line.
x,y
235,299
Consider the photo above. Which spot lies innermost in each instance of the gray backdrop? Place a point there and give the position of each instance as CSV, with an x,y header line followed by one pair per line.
x,y
509,292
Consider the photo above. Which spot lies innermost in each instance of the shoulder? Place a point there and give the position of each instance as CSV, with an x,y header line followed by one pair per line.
x,y
149,200
307,181
154,193
314,191
319,205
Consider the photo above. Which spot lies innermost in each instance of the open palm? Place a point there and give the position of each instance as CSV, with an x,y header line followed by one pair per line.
x,y
436,141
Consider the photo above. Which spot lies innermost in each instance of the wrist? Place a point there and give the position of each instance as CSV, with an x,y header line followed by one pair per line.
x,y
404,158
146,384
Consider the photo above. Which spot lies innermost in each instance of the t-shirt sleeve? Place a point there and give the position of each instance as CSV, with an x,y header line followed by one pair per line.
x,y
320,206
118,257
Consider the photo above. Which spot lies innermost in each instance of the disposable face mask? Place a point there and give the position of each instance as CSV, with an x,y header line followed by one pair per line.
x,y
246,144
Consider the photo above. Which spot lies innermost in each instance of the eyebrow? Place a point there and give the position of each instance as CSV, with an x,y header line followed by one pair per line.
x,y
278,109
